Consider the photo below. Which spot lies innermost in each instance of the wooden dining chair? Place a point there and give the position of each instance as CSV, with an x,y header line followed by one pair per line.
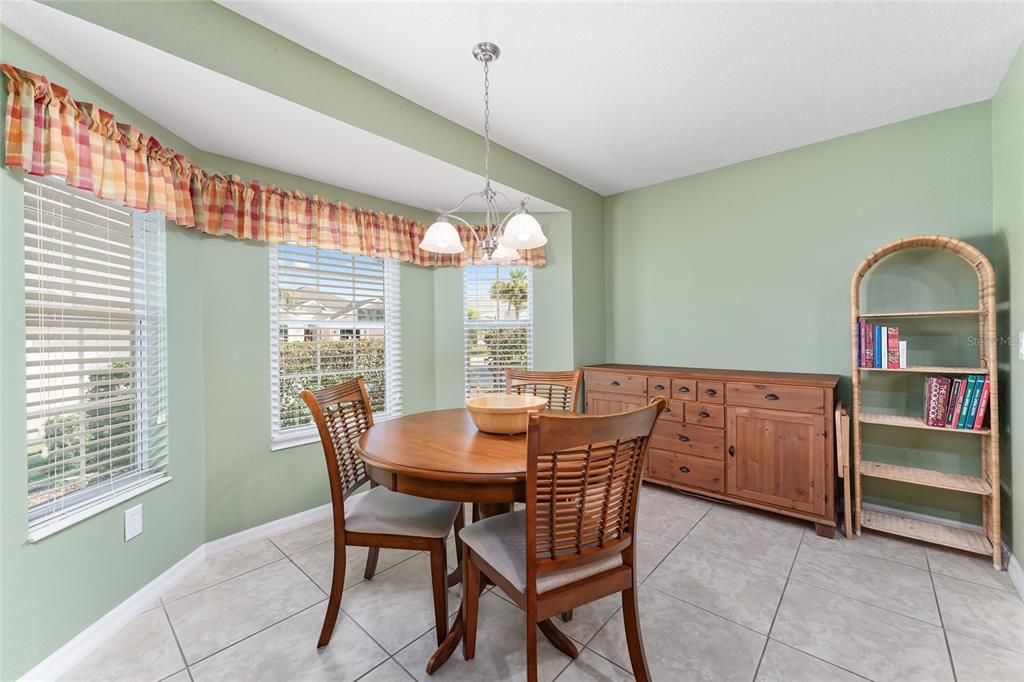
x,y
561,389
574,542
377,517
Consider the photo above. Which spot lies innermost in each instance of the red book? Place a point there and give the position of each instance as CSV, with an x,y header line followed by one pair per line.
x,y
982,404
869,345
954,393
862,339
959,403
936,400
893,348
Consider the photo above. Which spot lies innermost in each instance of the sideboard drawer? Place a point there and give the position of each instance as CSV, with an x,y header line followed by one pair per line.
x,y
777,397
675,411
705,414
711,391
692,440
609,382
684,389
659,386
688,470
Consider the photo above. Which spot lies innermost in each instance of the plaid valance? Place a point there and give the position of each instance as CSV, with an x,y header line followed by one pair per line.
x,y
47,132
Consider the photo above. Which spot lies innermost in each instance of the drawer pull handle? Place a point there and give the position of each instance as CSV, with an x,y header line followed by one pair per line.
x,y
771,396
732,450
685,470
684,389
659,387
710,391
615,383
685,439
704,414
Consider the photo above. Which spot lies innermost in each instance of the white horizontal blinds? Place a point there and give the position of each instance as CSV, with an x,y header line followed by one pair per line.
x,y
95,346
334,317
498,324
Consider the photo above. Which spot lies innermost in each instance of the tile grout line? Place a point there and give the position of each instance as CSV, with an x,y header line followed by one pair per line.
x,y
177,642
942,623
778,607
221,582
861,601
819,658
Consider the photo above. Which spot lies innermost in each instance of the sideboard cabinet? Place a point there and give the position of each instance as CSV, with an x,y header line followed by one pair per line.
x,y
762,439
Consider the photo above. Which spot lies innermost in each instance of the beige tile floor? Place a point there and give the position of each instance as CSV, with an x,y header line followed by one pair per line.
x,y
727,594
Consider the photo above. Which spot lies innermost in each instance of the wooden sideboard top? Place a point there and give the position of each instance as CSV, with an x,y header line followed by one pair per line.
x,y
822,380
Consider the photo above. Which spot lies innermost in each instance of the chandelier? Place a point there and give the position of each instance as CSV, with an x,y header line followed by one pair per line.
x,y
499,239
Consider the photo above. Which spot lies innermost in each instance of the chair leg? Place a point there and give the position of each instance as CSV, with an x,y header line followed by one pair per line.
x,y
531,641
337,587
566,616
371,562
470,604
634,640
439,583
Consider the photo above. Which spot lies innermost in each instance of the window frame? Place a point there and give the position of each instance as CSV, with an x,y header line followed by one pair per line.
x,y
281,439
468,324
148,345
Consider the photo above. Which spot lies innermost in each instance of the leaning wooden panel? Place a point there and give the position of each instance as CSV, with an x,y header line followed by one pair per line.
x,y
988,541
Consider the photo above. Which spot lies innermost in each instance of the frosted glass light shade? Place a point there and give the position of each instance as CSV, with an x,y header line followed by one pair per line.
x,y
442,237
523,232
504,254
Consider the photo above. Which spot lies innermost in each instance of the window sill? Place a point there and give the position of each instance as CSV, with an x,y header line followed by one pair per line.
x,y
46,528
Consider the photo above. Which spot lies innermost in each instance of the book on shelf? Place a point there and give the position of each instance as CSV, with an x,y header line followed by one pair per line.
x,y
880,346
960,403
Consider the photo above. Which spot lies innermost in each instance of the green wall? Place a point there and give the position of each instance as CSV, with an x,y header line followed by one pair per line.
x,y
226,478
749,266
1008,224
51,590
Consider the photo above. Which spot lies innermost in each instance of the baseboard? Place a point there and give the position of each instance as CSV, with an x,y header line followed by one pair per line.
x,y
267,530
1016,572
65,658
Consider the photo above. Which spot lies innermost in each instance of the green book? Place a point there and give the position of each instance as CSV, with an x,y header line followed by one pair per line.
x,y
972,384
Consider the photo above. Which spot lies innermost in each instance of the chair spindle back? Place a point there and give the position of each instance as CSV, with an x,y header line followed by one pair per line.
x,y
559,388
342,413
583,479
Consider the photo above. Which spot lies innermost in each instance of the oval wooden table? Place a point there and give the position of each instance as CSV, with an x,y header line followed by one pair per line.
x,y
442,455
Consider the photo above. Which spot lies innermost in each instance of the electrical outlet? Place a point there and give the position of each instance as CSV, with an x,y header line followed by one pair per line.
x,y
132,522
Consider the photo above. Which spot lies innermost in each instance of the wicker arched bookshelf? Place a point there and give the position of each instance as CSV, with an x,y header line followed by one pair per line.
x,y
986,486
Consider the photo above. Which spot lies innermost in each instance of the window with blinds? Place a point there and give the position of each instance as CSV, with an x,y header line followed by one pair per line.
x,y
334,317
498,323
96,350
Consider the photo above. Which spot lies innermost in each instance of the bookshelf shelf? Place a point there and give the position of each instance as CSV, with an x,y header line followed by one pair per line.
x,y
928,531
926,477
924,313
929,370
912,423
935,531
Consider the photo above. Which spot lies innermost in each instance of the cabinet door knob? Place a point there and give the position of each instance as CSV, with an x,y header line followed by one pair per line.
x,y
732,450
711,391
659,387
704,414
771,396
685,470
684,389
685,439
615,383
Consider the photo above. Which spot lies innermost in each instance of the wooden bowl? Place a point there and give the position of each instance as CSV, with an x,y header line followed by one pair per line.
x,y
504,414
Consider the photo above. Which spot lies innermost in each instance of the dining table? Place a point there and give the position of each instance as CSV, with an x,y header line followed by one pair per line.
x,y
443,456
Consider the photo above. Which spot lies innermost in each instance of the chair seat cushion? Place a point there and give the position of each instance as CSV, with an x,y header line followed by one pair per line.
x,y
385,512
501,542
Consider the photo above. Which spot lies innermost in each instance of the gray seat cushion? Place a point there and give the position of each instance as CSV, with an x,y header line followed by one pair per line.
x,y
380,510
501,542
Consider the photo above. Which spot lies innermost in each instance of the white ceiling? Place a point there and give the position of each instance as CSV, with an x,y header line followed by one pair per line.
x,y
310,145
622,95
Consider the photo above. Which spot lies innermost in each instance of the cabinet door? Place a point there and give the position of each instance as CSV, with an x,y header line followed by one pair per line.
x,y
612,403
777,458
